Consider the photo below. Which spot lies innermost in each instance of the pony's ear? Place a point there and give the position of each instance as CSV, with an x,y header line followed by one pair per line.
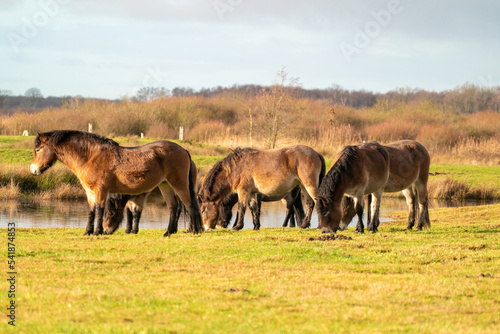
x,y
323,205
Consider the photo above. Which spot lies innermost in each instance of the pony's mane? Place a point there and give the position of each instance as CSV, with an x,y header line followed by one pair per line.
x,y
341,168
83,140
62,136
227,164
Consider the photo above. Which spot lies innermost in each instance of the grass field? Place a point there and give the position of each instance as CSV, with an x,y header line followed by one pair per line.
x,y
442,280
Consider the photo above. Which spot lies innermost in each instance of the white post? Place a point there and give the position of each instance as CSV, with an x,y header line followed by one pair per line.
x,y
230,143
181,133
90,127
142,135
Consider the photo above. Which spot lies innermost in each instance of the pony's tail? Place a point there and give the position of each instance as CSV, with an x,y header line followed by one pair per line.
x,y
195,215
323,169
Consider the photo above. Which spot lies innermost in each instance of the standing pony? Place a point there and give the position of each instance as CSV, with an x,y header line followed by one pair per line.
x,y
134,204
252,173
104,167
356,171
409,173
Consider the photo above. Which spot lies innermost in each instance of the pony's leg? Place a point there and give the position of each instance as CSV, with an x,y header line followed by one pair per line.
x,y
410,201
130,219
136,218
243,200
169,196
226,210
255,205
90,223
306,223
358,204
423,207
186,193
241,215
178,212
289,217
137,207
298,208
369,200
375,209
91,215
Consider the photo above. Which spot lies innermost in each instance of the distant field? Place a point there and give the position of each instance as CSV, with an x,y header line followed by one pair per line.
x,y
473,175
441,280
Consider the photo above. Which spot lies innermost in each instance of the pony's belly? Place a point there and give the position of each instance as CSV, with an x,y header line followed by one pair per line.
x,y
398,184
137,187
275,189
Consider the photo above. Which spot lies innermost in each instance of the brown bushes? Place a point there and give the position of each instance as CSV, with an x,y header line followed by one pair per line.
x,y
226,118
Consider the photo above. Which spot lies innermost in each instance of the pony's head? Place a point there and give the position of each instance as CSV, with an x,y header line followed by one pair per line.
x,y
113,214
329,215
44,155
209,211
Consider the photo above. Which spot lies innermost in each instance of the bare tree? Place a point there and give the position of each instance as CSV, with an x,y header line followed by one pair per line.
x,y
276,104
33,95
3,96
151,93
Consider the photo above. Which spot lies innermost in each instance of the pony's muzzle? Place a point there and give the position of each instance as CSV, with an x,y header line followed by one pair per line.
x,y
35,170
328,230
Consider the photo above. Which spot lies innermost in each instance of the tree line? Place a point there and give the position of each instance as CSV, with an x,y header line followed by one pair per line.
x,y
464,99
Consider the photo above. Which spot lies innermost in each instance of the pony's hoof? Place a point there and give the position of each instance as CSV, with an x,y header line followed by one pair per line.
x,y
87,233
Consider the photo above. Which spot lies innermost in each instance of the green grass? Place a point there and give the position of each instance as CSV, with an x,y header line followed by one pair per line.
x,y
442,280
472,175
15,156
14,141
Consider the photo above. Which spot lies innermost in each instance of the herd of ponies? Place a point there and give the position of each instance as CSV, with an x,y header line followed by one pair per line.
x,y
118,179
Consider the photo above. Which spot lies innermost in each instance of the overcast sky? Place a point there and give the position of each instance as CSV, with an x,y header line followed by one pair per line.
x,y
111,48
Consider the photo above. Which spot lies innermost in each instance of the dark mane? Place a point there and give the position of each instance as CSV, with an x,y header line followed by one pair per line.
x,y
83,140
62,136
226,164
342,167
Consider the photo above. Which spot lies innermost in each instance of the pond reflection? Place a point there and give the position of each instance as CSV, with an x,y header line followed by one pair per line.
x,y
60,214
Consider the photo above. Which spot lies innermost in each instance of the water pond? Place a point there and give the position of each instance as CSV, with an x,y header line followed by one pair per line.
x,y
64,214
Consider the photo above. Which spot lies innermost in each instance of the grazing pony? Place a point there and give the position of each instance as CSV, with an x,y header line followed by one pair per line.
x,y
409,173
356,171
104,167
250,172
294,208
134,204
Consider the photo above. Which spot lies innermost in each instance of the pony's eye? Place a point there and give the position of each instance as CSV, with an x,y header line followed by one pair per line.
x,y
38,150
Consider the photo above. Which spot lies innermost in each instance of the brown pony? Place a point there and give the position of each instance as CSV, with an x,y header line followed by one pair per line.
x,y
250,172
294,208
104,167
409,173
356,171
134,204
